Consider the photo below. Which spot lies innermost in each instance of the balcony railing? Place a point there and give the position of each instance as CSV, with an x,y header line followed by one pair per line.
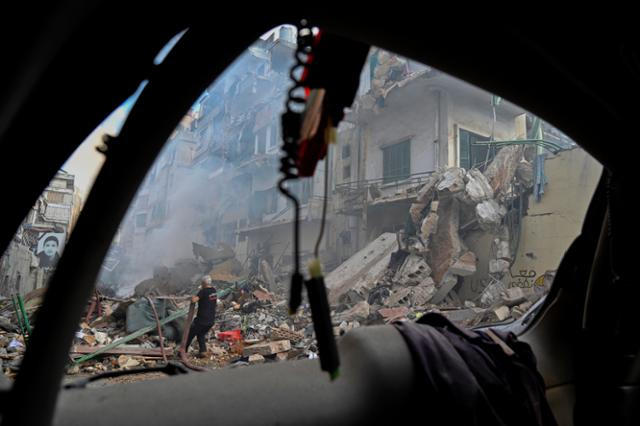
x,y
384,182
351,194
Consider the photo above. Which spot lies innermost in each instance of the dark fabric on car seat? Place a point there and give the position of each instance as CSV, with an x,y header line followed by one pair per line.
x,y
468,378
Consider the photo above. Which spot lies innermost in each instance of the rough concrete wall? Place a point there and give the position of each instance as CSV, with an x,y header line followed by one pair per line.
x,y
551,225
16,274
403,118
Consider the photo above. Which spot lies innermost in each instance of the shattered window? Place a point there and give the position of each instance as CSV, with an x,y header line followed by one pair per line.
x,y
442,197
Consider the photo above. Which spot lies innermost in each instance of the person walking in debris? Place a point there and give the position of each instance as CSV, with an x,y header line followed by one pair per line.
x,y
205,318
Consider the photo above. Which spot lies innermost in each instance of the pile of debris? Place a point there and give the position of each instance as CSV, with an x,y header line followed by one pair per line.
x,y
252,326
424,268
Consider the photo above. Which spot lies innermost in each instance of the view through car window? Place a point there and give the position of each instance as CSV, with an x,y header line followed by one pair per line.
x,y
441,196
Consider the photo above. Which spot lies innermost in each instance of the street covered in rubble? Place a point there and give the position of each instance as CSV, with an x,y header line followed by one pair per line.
x,y
441,198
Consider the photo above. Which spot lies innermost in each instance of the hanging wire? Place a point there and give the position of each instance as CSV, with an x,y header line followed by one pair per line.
x,y
324,204
291,128
494,102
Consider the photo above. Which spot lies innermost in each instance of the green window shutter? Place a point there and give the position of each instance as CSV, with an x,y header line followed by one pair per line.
x,y
396,161
464,149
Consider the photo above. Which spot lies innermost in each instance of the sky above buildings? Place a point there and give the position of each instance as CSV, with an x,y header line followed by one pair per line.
x,y
86,161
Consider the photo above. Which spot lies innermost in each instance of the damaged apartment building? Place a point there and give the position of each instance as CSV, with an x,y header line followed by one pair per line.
x,y
469,188
38,243
216,180
448,196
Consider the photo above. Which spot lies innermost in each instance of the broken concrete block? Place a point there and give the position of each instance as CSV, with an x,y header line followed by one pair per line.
x,y
256,359
501,170
363,268
390,314
425,194
398,297
498,266
378,295
501,313
489,214
101,338
283,334
127,362
452,180
429,225
282,356
413,271
477,187
422,294
520,310
360,311
416,212
445,244
513,296
465,265
491,293
269,348
7,325
446,285
502,246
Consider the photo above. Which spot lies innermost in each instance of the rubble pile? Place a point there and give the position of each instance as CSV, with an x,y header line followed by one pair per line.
x,y
264,332
252,321
426,267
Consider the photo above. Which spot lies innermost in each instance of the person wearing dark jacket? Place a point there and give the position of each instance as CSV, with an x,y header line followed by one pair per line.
x,y
205,318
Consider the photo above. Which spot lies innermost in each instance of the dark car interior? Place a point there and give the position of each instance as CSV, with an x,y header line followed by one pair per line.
x,y
68,64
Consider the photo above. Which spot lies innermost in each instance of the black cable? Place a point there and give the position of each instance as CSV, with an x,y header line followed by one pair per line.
x,y
324,205
291,130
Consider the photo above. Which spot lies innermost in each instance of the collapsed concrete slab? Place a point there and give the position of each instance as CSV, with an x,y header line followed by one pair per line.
x,y
414,270
489,214
425,194
465,265
363,268
423,293
446,245
452,180
502,169
477,188
447,284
